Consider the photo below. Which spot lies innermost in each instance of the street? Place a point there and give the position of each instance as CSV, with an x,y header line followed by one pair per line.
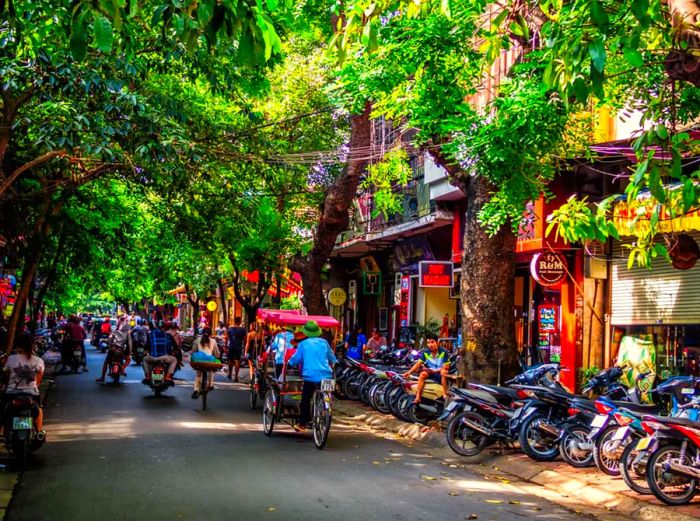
x,y
117,452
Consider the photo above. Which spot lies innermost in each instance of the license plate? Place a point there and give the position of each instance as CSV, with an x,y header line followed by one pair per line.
x,y
621,433
451,406
600,420
644,443
688,390
77,354
22,423
328,385
157,377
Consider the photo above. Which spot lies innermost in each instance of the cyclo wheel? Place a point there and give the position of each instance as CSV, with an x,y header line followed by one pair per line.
x,y
253,392
269,413
321,419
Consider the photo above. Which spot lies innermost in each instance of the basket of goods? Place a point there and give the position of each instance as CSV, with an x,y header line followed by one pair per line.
x,y
200,361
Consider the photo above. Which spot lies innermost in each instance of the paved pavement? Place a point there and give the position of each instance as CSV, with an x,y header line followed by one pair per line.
x,y
117,452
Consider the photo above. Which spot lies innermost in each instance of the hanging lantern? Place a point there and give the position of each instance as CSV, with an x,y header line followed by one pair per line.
x,y
684,252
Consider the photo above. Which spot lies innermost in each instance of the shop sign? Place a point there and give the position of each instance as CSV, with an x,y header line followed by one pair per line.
x,y
548,268
435,274
372,283
635,216
403,304
337,296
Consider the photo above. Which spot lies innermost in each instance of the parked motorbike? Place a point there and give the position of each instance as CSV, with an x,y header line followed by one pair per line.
x,y
673,470
482,415
20,434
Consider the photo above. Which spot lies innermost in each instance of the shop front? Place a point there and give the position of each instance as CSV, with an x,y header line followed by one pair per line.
x,y
655,313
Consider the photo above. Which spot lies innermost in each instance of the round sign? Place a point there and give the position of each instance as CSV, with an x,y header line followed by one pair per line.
x,y
548,268
212,305
337,296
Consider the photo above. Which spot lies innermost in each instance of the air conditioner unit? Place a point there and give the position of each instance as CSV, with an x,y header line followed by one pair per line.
x,y
410,207
352,288
397,289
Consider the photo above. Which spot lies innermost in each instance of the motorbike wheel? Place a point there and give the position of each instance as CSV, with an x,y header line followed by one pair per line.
x,y
20,450
158,391
672,489
570,450
403,405
533,443
379,401
464,440
418,414
392,400
603,461
365,387
268,415
634,473
351,387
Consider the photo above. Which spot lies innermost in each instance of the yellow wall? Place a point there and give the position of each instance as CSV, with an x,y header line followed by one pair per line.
x,y
437,302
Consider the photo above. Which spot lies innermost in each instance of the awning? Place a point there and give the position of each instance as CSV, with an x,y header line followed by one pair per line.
x,y
285,317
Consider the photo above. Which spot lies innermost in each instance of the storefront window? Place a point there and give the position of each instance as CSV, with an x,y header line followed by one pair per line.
x,y
676,349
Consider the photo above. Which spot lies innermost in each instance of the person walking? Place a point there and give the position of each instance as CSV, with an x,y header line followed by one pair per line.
x,y
236,342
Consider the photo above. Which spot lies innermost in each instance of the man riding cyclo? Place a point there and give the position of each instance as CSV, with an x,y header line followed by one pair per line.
x,y
316,358
119,348
435,364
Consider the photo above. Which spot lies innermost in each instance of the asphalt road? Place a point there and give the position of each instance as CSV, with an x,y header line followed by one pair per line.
x,y
119,453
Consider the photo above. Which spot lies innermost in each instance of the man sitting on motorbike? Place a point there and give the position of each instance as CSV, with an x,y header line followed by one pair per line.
x,y
316,359
75,337
159,348
119,348
435,364
25,371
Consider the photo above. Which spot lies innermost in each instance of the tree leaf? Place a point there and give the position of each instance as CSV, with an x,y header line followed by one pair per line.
x,y
596,50
78,37
103,33
633,57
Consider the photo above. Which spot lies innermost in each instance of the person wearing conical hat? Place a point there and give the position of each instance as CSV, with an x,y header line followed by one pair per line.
x,y
316,359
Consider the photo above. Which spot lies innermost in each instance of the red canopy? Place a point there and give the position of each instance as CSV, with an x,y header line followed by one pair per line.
x,y
283,317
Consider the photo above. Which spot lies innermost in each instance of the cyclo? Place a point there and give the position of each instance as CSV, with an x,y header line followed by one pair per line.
x,y
282,402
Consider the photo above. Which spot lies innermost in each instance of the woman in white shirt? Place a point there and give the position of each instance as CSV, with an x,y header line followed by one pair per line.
x,y
207,345
25,372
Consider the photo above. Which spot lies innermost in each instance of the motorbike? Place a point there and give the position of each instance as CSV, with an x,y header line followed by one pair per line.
x,y
20,434
157,381
102,343
138,353
482,415
673,469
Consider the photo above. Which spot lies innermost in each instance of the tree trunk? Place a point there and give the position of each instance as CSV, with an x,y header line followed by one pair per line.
x,y
487,293
224,300
334,214
487,289
252,301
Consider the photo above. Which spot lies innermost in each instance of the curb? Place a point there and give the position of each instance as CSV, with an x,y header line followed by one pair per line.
x,y
585,491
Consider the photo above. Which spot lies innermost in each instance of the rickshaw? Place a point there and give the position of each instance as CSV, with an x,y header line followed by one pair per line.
x,y
282,402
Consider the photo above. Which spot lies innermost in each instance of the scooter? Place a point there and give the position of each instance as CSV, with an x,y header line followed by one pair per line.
x,y
157,381
21,436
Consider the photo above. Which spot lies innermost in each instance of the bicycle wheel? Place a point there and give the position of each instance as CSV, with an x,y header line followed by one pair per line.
x,y
204,390
269,412
321,419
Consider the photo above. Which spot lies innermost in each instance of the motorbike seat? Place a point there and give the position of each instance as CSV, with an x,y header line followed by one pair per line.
x,y
638,408
679,421
502,392
478,394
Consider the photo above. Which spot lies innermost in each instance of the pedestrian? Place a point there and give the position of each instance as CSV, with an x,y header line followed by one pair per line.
x,y
252,347
236,342
278,347
355,343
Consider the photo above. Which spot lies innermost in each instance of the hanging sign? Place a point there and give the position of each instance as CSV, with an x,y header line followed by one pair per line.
x,y
435,274
212,305
372,283
337,296
548,268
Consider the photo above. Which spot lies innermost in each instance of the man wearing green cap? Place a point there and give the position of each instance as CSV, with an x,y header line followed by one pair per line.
x,y
316,359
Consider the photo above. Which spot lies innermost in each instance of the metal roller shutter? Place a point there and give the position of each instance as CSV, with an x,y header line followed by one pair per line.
x,y
662,295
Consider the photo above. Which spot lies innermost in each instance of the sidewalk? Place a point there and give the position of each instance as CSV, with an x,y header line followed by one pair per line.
x,y
585,485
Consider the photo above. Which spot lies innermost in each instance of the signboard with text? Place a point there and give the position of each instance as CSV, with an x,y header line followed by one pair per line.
x,y
434,274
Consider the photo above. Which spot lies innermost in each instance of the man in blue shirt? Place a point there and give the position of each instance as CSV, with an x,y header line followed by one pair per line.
x,y
282,342
158,349
435,364
316,359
